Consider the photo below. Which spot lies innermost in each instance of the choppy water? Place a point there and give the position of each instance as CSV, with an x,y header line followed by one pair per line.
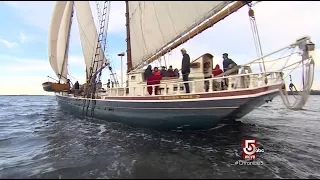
x,y
39,140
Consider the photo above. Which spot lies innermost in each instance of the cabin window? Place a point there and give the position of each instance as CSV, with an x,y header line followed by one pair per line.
x,y
195,65
176,88
133,78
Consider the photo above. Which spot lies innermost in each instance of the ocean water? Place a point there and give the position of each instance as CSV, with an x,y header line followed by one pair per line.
x,y
40,140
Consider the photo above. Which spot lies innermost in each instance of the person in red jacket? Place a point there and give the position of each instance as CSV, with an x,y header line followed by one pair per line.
x,y
156,71
216,71
154,79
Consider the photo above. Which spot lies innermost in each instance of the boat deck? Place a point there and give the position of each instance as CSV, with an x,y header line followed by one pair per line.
x,y
240,82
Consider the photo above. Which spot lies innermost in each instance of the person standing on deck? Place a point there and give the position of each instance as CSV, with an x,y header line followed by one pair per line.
x,y
76,88
108,84
156,71
147,72
154,79
185,68
227,62
216,71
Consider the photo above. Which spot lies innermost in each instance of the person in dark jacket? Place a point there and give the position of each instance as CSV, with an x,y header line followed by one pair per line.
x,y
176,71
76,88
163,71
147,72
185,68
170,72
76,85
227,62
108,84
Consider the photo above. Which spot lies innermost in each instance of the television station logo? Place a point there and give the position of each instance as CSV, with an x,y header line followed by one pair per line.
x,y
250,149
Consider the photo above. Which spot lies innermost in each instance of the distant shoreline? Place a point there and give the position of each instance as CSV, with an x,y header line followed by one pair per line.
x,y
313,92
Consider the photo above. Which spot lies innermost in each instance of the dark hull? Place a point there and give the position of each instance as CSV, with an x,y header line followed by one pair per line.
x,y
193,114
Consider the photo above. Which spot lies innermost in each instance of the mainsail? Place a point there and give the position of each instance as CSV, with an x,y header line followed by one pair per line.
x,y
155,24
88,35
56,19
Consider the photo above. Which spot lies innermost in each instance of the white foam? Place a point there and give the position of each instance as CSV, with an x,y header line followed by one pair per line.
x,y
102,129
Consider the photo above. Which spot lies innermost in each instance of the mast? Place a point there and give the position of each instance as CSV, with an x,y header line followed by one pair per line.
x,y
67,49
129,62
210,22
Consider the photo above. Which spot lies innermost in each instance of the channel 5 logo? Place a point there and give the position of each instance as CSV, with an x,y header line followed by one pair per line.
x,y
250,149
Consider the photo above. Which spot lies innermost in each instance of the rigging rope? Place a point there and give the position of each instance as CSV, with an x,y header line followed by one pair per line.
x,y
307,80
307,63
256,37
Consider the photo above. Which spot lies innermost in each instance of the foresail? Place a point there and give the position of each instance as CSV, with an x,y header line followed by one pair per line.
x,y
88,34
155,24
53,34
62,43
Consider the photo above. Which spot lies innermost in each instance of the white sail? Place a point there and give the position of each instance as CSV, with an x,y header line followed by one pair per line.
x,y
88,34
53,34
62,44
155,24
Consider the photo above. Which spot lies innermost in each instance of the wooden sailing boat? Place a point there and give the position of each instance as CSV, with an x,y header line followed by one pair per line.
x,y
207,104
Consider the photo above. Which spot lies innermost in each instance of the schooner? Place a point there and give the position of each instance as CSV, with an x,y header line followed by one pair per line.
x,y
153,29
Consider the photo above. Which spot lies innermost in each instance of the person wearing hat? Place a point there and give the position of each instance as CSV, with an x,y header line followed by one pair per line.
x,y
185,68
227,62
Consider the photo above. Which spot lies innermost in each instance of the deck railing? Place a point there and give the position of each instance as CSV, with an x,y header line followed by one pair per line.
x,y
235,82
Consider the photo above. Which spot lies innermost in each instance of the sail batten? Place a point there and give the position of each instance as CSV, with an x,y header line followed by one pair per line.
x,y
156,24
56,19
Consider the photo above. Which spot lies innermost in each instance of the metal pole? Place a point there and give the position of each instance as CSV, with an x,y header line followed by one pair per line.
x,y
121,78
121,69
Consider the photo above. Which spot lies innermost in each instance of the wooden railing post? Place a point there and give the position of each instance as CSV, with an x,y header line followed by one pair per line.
x,y
211,85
